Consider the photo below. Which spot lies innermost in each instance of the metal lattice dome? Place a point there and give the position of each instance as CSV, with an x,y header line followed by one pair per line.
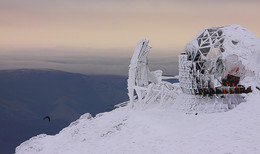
x,y
217,59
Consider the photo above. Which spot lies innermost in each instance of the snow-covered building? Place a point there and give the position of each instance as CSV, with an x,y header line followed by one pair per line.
x,y
217,61
217,65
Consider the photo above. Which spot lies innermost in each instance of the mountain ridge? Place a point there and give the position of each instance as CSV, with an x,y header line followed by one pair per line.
x,y
28,95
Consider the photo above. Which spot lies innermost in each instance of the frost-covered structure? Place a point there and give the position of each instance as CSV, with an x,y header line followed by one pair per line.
x,y
217,65
223,53
147,85
219,60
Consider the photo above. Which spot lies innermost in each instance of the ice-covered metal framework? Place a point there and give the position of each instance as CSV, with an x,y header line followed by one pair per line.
x,y
146,84
216,62
202,69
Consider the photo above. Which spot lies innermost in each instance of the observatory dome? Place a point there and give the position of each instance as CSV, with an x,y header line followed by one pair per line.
x,y
220,60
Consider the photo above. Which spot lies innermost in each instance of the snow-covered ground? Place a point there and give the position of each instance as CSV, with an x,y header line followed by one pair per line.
x,y
178,123
157,129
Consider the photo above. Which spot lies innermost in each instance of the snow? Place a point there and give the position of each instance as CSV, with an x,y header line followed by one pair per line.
x,y
237,41
173,122
156,129
138,74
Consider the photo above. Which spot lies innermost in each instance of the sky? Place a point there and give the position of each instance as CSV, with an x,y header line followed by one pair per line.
x,y
98,37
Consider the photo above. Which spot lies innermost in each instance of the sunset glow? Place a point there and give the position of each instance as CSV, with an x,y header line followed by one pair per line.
x,y
115,26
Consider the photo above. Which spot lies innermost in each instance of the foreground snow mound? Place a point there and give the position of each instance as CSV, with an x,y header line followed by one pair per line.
x,y
156,130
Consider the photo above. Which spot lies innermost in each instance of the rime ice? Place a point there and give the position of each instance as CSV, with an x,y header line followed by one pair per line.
x,y
170,118
218,59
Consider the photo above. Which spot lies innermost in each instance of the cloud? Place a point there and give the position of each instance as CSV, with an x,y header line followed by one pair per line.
x,y
86,61
106,66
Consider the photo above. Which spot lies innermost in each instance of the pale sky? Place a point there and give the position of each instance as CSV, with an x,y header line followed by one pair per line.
x,y
45,29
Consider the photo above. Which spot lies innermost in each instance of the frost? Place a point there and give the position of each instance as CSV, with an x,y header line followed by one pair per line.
x,y
173,118
218,59
148,85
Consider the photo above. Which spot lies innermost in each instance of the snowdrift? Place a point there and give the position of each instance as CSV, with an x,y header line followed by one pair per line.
x,y
156,129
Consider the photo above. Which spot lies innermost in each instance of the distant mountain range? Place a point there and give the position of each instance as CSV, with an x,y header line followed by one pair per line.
x,y
28,95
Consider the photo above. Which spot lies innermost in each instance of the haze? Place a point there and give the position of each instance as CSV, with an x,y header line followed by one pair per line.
x,y
98,37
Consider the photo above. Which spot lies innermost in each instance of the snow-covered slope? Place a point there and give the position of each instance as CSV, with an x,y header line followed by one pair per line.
x,y
156,129
179,124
